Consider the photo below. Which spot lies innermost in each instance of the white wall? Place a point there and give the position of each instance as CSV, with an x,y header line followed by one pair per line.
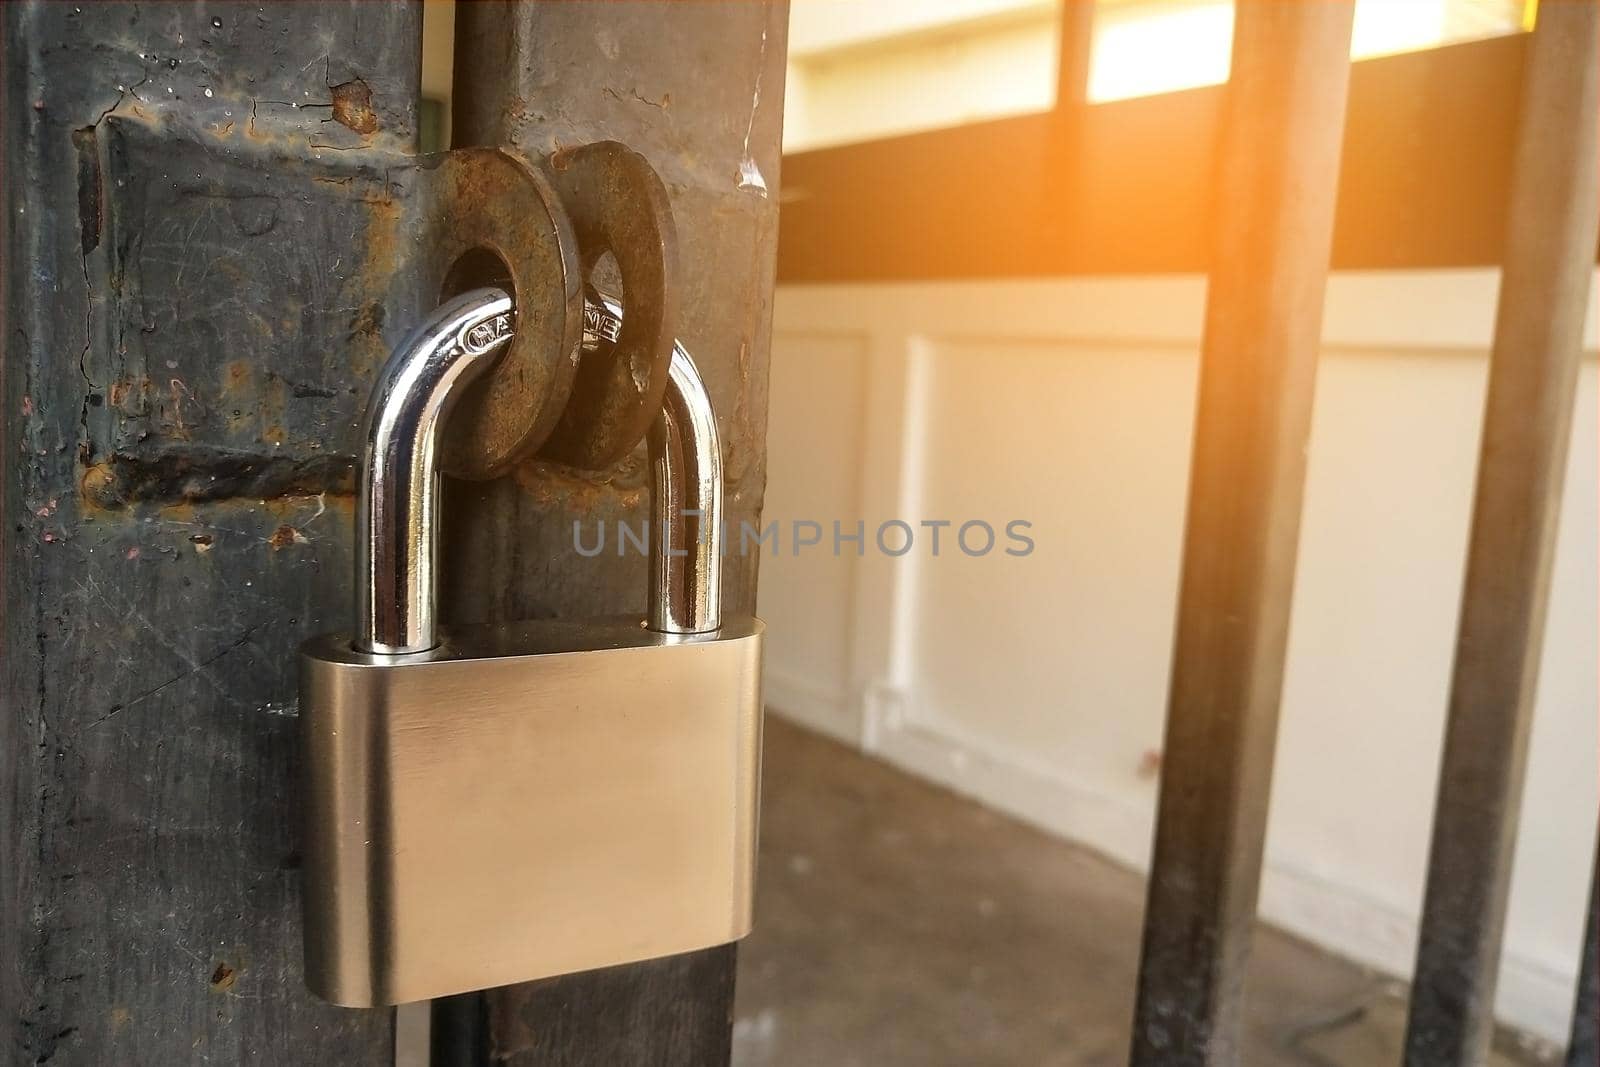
x,y
1037,684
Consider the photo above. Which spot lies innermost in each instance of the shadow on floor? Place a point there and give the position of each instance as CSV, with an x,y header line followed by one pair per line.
x,y
898,925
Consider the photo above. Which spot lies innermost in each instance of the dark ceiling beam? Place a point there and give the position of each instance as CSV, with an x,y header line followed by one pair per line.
x,y
1125,187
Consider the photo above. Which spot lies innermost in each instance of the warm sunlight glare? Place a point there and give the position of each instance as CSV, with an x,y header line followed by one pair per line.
x,y
1155,46
1158,46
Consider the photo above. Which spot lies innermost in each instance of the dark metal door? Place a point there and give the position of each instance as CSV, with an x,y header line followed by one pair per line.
x,y
208,252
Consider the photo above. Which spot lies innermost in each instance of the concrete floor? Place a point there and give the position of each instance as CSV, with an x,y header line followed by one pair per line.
x,y
898,925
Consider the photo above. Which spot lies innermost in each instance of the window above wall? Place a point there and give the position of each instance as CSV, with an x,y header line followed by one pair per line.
x,y
1142,47
865,69
861,70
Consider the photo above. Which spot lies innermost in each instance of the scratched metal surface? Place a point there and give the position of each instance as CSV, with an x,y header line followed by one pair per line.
x,y
697,88
199,229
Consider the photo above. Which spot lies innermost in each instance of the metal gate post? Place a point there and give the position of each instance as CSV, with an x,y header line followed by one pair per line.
x,y
1533,368
198,247
1278,168
697,88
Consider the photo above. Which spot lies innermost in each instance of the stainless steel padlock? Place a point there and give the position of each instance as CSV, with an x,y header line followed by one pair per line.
x,y
510,802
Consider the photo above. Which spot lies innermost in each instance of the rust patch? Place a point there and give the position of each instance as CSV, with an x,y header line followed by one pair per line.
x,y
238,384
352,106
557,486
284,536
368,321
130,395
182,472
223,978
384,248
96,481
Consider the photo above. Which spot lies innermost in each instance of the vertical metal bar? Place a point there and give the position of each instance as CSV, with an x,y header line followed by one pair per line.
x,y
1278,169
1075,51
1583,1049
1059,211
1550,248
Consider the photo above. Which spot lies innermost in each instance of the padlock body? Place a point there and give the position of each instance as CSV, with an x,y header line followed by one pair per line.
x,y
526,800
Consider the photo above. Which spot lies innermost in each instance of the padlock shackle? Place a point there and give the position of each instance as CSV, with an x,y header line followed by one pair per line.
x,y
686,516
397,510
